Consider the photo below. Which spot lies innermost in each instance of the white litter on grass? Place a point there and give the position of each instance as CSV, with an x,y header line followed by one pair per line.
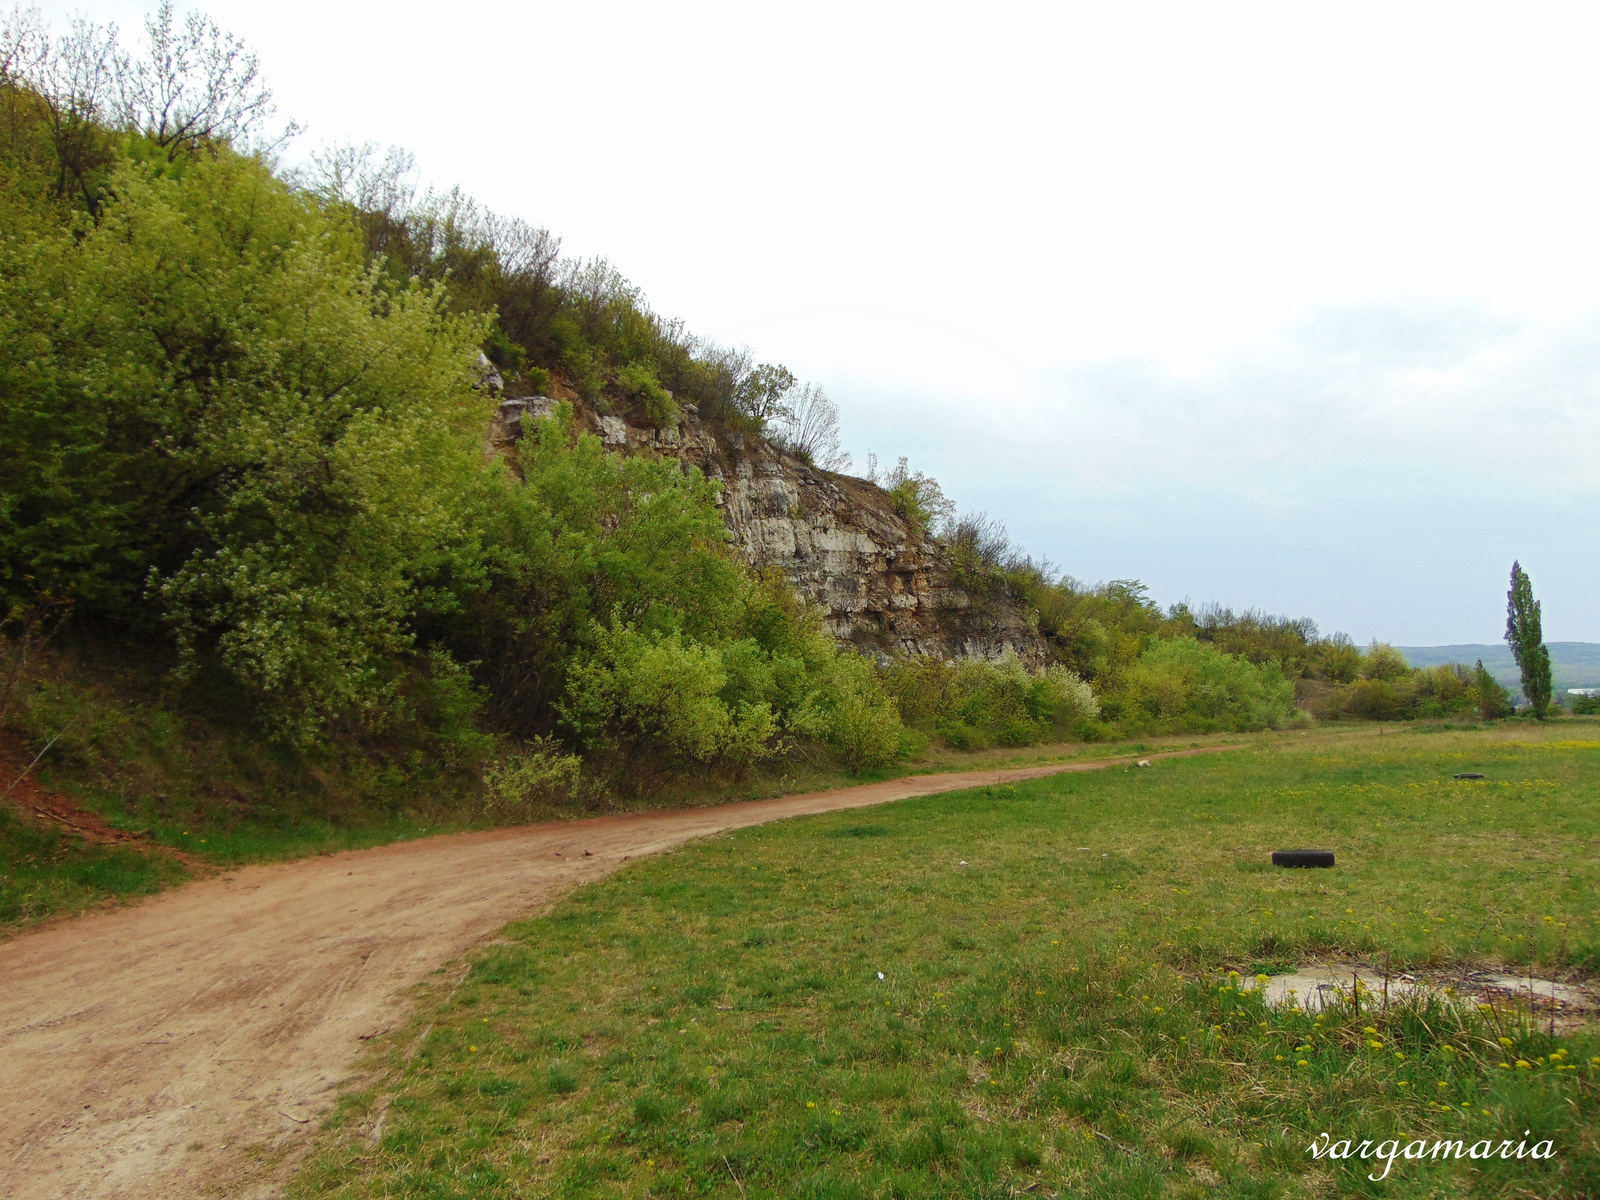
x,y
1144,762
963,862
880,974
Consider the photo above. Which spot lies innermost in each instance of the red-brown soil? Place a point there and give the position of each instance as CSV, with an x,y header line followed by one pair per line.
x,y
20,788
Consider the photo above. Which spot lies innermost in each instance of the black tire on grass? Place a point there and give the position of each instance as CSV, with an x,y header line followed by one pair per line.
x,y
1302,858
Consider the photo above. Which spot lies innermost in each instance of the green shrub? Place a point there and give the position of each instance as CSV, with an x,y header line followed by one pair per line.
x,y
1390,693
1377,700
977,703
644,698
640,385
159,360
540,771
1491,700
503,352
1382,661
1188,684
862,722
917,497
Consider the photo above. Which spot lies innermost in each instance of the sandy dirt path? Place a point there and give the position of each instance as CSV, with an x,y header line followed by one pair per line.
x,y
153,1051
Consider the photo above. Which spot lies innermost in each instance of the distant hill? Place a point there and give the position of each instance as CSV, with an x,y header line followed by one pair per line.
x,y
1572,664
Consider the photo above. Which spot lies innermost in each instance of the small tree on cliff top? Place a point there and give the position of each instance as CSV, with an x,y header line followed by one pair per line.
x,y
1526,638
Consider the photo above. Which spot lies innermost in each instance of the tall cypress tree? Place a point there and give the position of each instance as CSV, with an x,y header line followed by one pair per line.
x,y
1526,638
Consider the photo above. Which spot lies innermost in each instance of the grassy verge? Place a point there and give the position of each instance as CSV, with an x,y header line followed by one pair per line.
x,y
45,872
215,791
1054,1013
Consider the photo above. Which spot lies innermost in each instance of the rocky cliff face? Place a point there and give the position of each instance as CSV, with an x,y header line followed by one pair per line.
x,y
839,540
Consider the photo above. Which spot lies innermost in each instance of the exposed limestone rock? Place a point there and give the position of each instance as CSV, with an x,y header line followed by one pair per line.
x,y
839,540
488,375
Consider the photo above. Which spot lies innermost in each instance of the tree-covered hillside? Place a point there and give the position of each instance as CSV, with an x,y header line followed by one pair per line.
x,y
254,557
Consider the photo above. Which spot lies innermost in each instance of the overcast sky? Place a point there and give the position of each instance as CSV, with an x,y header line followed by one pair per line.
x,y
1273,306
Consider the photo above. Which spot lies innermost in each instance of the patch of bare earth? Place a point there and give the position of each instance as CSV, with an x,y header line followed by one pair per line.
x,y
1315,986
21,790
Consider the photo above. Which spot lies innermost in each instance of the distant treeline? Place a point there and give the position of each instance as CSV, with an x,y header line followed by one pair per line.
x,y
1125,646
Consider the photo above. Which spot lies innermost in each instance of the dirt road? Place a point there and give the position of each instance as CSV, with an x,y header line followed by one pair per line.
x,y
152,1051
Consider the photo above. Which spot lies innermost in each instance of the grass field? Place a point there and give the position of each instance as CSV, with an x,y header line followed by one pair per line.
x,y
1027,990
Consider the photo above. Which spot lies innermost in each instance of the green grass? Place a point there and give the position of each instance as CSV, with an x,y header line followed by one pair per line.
x,y
711,1022
44,872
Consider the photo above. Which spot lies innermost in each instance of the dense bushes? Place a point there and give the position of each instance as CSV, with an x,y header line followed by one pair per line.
x,y
973,704
1185,683
219,425
1209,668
1386,688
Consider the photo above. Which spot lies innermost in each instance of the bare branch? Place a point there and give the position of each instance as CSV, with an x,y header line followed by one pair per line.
x,y
356,176
808,426
23,46
194,87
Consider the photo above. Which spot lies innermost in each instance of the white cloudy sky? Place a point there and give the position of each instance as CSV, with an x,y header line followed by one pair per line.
x,y
1278,305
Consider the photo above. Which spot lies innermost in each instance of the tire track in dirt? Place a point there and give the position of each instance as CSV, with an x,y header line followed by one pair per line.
x,y
164,1049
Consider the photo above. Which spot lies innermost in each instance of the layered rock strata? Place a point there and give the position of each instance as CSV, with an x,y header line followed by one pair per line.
x,y
839,540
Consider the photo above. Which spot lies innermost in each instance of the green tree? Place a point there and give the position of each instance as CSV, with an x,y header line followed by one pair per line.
x,y
763,394
1493,700
219,422
1526,639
